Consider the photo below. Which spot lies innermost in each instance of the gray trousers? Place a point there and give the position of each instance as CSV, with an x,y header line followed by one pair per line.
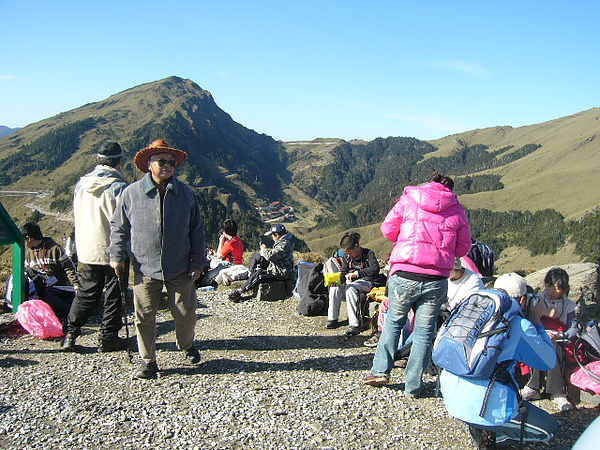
x,y
555,378
182,302
352,292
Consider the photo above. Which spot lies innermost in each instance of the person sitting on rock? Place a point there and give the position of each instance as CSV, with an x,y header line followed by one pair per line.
x,y
359,274
559,317
51,270
227,262
274,264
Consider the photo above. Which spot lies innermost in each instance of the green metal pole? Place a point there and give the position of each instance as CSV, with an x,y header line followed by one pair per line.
x,y
19,293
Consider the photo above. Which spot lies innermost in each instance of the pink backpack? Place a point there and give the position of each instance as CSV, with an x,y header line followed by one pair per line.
x,y
38,319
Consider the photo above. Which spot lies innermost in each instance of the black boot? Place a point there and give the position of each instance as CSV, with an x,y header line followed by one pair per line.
x,y
68,343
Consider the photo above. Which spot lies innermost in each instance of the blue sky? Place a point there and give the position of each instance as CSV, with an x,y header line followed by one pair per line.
x,y
299,70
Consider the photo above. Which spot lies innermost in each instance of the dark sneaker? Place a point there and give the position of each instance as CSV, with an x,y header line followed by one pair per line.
x,y
235,295
376,380
331,324
192,355
146,370
484,439
372,341
68,343
113,344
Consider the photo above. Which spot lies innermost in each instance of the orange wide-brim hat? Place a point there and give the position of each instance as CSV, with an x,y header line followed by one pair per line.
x,y
159,146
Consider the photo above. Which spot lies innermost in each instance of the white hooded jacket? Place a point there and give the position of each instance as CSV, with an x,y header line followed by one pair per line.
x,y
94,202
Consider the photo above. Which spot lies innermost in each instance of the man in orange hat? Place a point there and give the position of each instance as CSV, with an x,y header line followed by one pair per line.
x,y
158,218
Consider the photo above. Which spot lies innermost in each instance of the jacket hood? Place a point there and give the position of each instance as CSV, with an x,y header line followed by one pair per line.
x,y
286,237
100,179
433,197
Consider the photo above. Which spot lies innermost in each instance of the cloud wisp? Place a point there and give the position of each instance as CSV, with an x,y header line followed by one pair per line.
x,y
7,77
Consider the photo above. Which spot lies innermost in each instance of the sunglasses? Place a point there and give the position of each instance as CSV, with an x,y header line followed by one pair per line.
x,y
163,162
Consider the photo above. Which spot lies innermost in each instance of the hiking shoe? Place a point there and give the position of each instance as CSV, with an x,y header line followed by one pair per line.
x,y
113,344
192,355
68,343
372,341
331,324
562,402
235,295
416,395
146,370
528,393
376,380
484,439
401,363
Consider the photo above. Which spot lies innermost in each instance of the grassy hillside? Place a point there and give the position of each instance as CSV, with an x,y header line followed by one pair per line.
x,y
562,174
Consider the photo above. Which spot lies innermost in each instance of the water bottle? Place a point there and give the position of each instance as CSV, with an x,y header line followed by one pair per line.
x,y
206,289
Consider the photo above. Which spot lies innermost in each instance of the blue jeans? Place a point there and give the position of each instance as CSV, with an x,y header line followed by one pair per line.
x,y
427,297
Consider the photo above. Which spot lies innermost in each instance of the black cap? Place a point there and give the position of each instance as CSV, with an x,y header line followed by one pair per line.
x,y
277,228
110,150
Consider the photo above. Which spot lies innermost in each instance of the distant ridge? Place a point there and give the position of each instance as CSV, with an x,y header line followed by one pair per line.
x,y
6,131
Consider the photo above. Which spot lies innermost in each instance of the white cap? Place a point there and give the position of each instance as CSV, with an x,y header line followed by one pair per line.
x,y
512,283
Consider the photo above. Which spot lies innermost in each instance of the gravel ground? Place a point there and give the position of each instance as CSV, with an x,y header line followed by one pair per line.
x,y
269,379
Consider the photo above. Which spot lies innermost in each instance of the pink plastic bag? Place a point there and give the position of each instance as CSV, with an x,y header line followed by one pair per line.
x,y
39,320
583,381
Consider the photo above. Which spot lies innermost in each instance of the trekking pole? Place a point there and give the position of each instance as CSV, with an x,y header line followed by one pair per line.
x,y
123,286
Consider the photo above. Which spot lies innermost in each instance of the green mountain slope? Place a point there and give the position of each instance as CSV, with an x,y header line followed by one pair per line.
x,y
227,163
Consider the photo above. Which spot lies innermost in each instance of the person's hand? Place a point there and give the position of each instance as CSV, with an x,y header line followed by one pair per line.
x,y
534,312
118,266
195,274
263,247
351,276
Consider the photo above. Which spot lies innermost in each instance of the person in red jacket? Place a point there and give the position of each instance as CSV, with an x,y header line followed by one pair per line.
x,y
227,262
429,228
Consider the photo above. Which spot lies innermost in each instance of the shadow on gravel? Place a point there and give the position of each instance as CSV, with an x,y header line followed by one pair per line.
x,y
168,326
10,362
325,364
265,343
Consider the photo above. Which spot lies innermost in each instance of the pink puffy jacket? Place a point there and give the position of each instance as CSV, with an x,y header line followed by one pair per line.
x,y
429,229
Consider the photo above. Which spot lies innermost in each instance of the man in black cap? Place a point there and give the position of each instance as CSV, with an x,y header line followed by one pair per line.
x,y
94,202
279,262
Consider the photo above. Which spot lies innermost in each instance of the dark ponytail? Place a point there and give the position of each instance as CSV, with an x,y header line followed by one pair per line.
x,y
442,179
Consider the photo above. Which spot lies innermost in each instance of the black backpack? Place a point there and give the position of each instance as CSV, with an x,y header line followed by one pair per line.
x,y
310,289
483,257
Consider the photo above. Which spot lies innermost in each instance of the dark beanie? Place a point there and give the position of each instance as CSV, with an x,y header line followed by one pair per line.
x,y
110,150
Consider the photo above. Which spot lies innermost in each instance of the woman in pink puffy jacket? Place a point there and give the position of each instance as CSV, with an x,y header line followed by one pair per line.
x,y
429,229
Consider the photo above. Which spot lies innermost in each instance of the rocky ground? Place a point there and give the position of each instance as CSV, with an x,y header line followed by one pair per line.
x,y
269,379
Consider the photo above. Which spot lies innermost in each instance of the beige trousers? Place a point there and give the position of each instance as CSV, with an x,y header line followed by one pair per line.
x,y
182,302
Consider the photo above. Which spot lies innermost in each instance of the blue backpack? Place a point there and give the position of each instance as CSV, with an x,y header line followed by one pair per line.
x,y
471,339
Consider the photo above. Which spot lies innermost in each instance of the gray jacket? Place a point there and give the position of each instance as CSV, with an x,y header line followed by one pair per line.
x,y
162,246
280,257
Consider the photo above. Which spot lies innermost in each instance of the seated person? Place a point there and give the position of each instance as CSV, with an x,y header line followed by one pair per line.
x,y
51,270
558,315
276,264
460,283
360,273
495,417
227,262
